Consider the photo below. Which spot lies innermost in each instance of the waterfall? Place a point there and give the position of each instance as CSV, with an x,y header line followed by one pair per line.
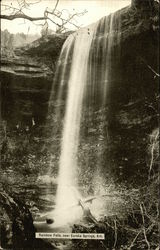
x,y
81,81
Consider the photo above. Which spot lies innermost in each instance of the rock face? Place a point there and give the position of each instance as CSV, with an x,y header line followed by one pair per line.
x,y
17,230
24,94
142,4
132,95
27,76
134,114
133,92
26,80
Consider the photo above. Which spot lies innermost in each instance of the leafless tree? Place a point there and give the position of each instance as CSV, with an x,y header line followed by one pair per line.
x,y
59,18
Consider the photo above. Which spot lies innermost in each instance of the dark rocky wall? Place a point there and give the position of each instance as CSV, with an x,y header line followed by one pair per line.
x,y
26,80
17,230
134,114
24,99
27,77
132,94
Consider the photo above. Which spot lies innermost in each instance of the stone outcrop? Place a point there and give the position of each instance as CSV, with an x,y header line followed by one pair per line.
x,y
17,230
142,4
133,93
131,114
26,80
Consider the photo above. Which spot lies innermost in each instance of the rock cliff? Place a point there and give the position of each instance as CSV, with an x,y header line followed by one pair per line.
x,y
26,79
132,98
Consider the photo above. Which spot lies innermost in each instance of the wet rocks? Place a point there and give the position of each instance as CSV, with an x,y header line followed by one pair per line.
x,y
17,230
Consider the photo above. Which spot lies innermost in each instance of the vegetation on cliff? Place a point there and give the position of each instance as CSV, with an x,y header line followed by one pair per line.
x,y
129,160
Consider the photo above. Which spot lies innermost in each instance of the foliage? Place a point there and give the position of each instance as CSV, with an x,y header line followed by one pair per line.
x,y
10,41
30,152
139,228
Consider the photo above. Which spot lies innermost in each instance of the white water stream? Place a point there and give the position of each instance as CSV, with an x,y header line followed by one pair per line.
x,y
77,52
67,186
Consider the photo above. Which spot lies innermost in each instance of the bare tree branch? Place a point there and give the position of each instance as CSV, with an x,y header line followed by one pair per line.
x,y
32,3
20,15
23,16
148,66
67,20
56,6
49,15
144,229
156,74
115,233
132,244
7,7
152,151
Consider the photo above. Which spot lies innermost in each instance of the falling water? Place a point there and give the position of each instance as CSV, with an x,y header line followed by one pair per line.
x,y
78,72
67,187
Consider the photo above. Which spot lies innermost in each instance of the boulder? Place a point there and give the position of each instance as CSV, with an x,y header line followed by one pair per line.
x,y
17,230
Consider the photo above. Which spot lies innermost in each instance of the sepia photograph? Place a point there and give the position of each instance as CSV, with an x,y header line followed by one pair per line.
x,y
79,125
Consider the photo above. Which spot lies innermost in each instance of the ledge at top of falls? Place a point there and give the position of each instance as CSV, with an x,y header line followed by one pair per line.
x,y
38,59
136,19
139,18
35,60
27,75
